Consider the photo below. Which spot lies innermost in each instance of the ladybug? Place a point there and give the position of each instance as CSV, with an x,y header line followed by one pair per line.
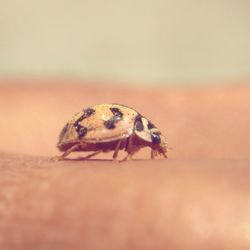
x,y
110,127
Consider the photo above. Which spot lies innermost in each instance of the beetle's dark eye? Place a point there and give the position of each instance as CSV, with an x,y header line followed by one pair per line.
x,y
156,139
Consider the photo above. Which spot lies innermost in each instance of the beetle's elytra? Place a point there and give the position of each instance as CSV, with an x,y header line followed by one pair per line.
x,y
110,127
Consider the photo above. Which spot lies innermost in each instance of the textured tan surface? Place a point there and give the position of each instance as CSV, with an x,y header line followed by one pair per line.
x,y
198,199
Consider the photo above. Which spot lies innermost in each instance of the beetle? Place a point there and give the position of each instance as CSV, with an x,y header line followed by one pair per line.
x,y
110,127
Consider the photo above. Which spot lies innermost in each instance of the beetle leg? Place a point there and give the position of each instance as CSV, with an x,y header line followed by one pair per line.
x,y
128,148
152,154
130,154
130,144
117,148
131,149
128,157
66,153
92,154
165,155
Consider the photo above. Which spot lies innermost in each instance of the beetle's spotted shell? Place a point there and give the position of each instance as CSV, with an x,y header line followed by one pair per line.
x,y
97,131
108,123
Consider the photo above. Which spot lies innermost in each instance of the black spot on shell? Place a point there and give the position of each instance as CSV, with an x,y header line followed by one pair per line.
x,y
150,125
138,123
78,127
78,120
156,139
110,124
82,131
117,112
117,116
87,112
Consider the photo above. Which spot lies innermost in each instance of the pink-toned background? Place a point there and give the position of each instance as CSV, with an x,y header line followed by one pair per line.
x,y
200,122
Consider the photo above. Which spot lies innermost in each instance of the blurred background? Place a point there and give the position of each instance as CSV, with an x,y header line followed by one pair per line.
x,y
57,57
140,41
